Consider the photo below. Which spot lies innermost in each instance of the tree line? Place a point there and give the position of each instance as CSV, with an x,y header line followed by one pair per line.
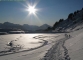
x,y
70,17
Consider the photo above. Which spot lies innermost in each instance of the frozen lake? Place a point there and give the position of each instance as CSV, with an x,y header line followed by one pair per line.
x,y
24,41
31,46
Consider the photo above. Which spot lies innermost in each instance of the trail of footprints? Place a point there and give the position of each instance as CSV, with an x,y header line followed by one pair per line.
x,y
56,52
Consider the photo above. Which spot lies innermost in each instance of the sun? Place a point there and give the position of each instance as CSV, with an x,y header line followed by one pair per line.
x,y
32,10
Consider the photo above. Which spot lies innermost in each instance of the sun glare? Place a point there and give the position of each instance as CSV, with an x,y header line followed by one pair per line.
x,y
31,9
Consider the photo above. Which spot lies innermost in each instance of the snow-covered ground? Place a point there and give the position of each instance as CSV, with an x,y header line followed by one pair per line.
x,y
67,48
42,46
75,45
34,46
25,41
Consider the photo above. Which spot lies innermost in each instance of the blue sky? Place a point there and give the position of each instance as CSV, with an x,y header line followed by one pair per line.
x,y
49,12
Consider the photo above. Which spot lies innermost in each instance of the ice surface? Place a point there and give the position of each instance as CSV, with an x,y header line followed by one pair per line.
x,y
40,43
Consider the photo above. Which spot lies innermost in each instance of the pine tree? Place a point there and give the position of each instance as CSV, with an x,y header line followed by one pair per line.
x,y
82,8
70,16
55,25
61,20
75,13
78,11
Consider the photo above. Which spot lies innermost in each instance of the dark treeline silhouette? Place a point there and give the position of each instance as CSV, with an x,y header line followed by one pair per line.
x,y
55,25
72,19
70,16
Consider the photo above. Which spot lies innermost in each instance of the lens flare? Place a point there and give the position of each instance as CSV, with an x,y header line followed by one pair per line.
x,y
32,10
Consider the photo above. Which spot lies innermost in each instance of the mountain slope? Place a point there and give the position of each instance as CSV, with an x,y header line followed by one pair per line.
x,y
44,26
8,25
70,24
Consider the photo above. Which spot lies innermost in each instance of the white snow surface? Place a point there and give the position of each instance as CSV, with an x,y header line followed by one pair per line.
x,y
74,45
39,44
44,46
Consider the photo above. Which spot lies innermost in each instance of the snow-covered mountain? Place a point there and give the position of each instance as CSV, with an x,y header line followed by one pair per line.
x,y
8,25
71,23
34,27
44,26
